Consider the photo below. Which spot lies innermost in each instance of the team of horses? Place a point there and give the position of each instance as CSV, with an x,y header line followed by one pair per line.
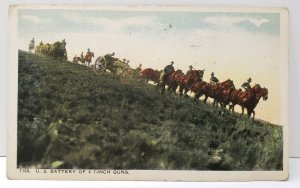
x,y
56,50
223,93
87,59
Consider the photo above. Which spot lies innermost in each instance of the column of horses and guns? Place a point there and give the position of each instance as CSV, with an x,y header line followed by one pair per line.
x,y
223,93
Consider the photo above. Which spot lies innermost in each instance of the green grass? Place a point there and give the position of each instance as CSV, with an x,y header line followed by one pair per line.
x,y
68,117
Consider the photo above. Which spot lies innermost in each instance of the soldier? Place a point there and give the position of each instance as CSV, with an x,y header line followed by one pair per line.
x,y
81,55
110,55
41,43
124,60
246,85
109,58
213,80
127,62
64,43
32,41
167,71
139,68
191,68
88,53
63,46
31,45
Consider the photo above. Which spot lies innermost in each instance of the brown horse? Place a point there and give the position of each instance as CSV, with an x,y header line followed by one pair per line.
x,y
88,58
186,81
248,99
170,81
222,92
77,59
219,92
200,88
225,98
174,79
166,80
216,91
150,75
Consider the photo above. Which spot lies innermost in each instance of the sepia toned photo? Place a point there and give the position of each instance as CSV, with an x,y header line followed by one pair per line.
x,y
174,93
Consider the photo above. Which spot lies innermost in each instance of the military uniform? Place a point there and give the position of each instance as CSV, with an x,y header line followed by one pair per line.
x,y
32,41
88,53
110,55
139,68
64,43
32,44
191,68
213,79
169,68
167,71
246,85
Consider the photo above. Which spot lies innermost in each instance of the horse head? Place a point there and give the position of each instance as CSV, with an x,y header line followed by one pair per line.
x,y
227,84
264,93
178,71
201,73
195,75
177,74
256,87
260,92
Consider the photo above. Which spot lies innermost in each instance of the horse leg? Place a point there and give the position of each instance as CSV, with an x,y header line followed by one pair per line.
x,y
157,85
205,99
162,88
197,96
186,90
180,91
174,88
249,112
253,115
223,106
242,112
232,107
215,103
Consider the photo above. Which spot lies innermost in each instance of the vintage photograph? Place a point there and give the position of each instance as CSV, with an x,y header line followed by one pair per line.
x,y
116,90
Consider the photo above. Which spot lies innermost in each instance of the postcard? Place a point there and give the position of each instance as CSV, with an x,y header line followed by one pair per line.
x,y
148,92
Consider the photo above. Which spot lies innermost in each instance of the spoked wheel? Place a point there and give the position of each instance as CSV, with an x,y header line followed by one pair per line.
x,y
126,74
100,66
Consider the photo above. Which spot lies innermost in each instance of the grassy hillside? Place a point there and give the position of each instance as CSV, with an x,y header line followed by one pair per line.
x,y
68,117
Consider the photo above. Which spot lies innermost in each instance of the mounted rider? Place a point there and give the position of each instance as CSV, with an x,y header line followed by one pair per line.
x,y
167,71
246,85
63,45
139,68
32,41
190,70
213,80
88,53
63,42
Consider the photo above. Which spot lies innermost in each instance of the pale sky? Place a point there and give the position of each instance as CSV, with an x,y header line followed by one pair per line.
x,y
232,45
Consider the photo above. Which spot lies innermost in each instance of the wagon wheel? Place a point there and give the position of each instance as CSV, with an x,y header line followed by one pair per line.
x,y
126,74
100,66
